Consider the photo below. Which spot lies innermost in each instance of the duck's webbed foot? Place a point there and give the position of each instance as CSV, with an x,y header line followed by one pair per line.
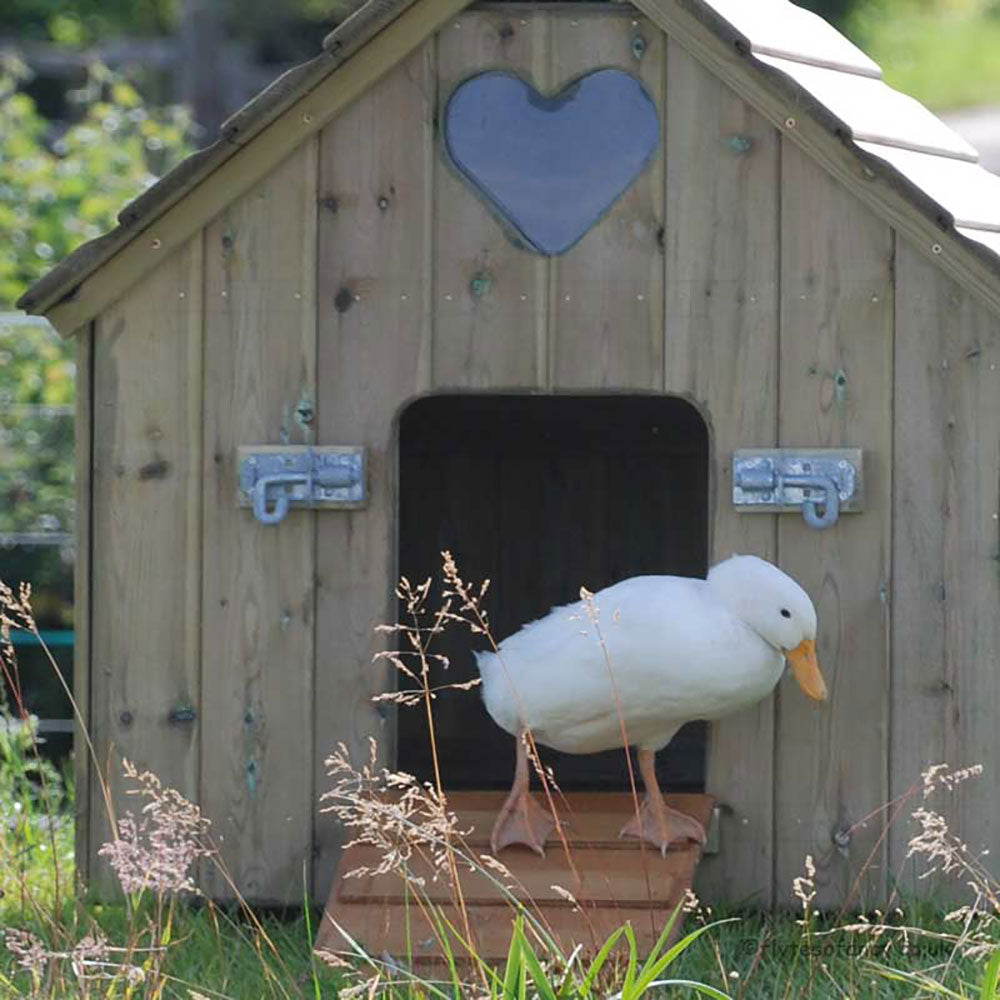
x,y
521,821
662,826
657,823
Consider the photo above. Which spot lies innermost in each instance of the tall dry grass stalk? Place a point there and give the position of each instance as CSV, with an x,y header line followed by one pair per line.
x,y
881,937
156,849
407,820
154,853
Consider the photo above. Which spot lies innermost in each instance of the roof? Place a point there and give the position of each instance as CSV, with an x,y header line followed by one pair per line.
x,y
915,171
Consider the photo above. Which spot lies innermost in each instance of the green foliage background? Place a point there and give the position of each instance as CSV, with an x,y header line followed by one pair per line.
x,y
54,194
59,186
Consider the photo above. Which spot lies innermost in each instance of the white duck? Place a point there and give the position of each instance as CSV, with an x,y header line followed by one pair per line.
x,y
679,649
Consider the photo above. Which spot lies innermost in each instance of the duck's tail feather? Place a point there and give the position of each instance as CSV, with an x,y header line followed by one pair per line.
x,y
496,691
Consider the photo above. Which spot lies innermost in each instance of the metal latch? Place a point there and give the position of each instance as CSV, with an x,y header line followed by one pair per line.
x,y
275,478
821,482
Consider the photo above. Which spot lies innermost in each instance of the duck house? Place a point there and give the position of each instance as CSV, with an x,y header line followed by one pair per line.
x,y
578,291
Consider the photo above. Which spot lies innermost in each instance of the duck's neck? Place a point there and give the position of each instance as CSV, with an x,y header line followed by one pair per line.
x,y
740,603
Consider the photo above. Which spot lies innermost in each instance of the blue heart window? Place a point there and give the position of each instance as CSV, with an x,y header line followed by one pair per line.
x,y
551,166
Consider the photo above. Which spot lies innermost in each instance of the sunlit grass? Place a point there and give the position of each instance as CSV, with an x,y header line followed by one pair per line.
x,y
158,944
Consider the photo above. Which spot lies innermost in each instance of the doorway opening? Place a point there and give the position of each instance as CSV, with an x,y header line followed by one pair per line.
x,y
543,495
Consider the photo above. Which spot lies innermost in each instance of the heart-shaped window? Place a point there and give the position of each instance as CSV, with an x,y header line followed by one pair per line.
x,y
551,166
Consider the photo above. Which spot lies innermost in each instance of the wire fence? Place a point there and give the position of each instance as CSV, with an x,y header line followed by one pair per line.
x,y
37,506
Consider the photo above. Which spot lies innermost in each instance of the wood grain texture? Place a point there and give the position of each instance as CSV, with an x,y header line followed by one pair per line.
x,y
879,190
605,876
83,484
606,292
946,589
257,700
721,350
393,929
490,296
836,356
146,523
610,882
374,354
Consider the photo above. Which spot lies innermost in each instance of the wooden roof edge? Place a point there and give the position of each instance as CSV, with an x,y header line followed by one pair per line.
x,y
801,118
234,133
787,31
695,24
780,53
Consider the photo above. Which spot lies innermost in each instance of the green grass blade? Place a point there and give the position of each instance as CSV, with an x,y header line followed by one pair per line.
x,y
684,943
512,970
703,988
597,964
633,960
542,984
317,993
449,955
991,977
658,947
915,979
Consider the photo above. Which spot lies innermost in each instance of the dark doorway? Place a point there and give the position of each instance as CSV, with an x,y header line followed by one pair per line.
x,y
543,495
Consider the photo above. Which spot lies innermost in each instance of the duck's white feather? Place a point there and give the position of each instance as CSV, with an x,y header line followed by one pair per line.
x,y
672,652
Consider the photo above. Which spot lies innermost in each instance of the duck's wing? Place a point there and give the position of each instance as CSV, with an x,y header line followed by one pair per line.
x,y
573,675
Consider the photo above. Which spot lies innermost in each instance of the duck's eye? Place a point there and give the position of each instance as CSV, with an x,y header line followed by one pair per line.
x,y
785,613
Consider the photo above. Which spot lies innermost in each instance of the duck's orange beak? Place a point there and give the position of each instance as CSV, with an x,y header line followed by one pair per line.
x,y
805,666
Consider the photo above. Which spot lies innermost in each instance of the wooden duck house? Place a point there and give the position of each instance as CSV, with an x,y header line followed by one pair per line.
x,y
578,291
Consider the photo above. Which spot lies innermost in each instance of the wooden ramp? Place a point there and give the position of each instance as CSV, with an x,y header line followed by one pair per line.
x,y
614,881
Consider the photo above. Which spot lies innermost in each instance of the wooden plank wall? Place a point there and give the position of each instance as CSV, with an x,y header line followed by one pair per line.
x,y
146,523
374,353
836,391
495,335
363,272
83,764
258,596
721,349
946,545
606,293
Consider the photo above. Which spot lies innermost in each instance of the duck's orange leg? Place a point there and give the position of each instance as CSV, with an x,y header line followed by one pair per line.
x,y
521,819
657,823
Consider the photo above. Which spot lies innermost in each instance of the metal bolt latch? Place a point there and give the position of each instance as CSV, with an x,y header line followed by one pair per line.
x,y
821,483
275,479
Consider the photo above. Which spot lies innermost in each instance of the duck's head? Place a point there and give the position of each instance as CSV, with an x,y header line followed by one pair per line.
x,y
777,609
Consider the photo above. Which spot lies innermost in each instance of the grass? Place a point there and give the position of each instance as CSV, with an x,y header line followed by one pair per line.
x,y
947,55
215,954
164,941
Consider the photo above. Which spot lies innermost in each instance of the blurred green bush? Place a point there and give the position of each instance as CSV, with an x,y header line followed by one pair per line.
x,y
57,190
59,186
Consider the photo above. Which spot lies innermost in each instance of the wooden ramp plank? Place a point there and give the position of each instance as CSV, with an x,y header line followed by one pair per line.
x,y
602,875
611,881
403,932
591,818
